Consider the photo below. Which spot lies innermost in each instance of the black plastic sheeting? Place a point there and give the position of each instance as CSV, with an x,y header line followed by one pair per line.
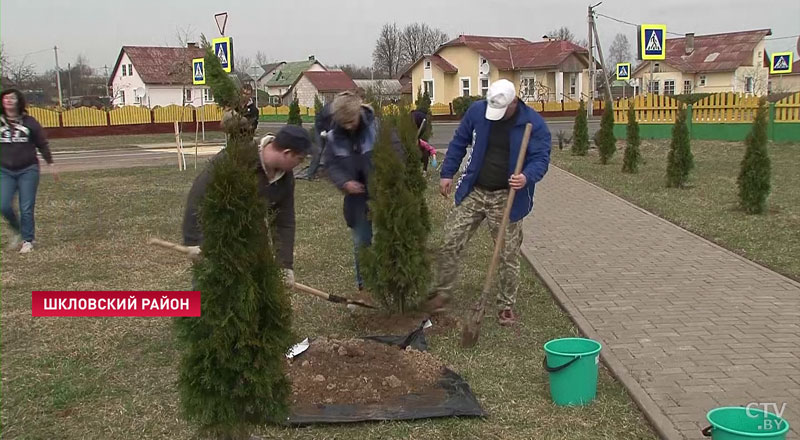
x,y
449,397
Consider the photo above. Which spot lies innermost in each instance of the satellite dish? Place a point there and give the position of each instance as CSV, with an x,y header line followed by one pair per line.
x,y
484,68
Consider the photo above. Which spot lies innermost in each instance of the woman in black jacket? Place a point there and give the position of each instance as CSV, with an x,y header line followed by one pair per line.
x,y
20,137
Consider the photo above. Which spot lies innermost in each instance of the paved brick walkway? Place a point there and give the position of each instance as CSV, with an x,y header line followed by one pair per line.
x,y
686,325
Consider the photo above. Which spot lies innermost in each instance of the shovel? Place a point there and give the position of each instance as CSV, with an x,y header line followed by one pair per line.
x,y
298,286
472,327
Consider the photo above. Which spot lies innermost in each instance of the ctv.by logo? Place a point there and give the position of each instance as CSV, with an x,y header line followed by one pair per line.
x,y
769,424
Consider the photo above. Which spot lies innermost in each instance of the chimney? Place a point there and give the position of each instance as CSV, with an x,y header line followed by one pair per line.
x,y
689,43
312,58
192,45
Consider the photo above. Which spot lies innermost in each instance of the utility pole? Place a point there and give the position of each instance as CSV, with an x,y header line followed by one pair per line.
x,y
58,78
602,61
590,107
69,78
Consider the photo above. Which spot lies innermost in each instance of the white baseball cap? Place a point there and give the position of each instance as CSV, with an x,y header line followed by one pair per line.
x,y
500,95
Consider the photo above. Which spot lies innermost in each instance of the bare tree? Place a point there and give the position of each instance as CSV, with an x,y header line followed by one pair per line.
x,y
21,73
3,59
755,81
261,58
563,33
388,53
619,52
418,39
360,72
185,35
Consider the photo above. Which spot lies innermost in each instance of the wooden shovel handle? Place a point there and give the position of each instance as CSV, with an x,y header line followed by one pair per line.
x,y
501,233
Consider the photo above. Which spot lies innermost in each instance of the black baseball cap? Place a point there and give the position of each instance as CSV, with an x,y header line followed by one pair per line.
x,y
295,138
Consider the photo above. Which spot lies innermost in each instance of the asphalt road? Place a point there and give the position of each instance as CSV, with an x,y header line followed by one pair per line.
x,y
165,154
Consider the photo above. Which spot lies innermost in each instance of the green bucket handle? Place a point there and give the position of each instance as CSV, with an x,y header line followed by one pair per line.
x,y
707,431
559,368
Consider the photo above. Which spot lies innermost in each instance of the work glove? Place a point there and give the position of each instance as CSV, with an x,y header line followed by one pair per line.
x,y
288,278
194,252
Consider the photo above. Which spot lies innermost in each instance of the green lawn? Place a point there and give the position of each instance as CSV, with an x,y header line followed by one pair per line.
x,y
127,141
709,207
114,378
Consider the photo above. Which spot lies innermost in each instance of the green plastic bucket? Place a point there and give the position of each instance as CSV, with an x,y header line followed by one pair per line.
x,y
572,364
742,423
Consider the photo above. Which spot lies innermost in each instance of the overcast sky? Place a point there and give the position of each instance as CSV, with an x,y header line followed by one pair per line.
x,y
344,31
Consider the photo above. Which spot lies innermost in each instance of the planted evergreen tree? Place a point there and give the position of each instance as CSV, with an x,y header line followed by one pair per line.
x,y
580,136
317,105
396,266
231,375
424,105
680,160
294,114
632,158
755,173
606,141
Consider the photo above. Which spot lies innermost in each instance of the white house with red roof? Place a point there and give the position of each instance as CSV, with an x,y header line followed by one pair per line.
x,y
153,76
325,84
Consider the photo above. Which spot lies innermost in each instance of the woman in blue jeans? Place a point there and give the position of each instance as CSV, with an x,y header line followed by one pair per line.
x,y
20,137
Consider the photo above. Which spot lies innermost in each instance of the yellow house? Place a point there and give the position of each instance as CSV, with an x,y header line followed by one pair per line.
x,y
730,62
542,71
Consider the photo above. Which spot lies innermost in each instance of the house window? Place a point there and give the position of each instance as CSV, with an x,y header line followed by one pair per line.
x,y
702,81
573,85
687,87
136,98
427,64
130,69
427,87
656,67
465,86
124,70
669,86
528,88
653,87
188,97
748,84
208,95
121,97
484,86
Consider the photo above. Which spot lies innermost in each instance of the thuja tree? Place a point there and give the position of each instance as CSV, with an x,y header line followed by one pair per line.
x,y
397,268
580,136
294,114
632,156
754,174
679,160
424,105
232,367
606,142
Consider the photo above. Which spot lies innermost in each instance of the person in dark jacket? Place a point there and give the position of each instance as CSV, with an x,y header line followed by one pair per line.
x,y
322,123
496,125
20,137
348,158
251,110
278,156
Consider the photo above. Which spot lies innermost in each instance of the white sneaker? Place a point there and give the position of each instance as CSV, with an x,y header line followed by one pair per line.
x,y
27,246
14,242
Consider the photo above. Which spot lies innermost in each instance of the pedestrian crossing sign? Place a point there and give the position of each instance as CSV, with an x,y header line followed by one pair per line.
x,y
652,42
199,71
623,71
223,49
781,62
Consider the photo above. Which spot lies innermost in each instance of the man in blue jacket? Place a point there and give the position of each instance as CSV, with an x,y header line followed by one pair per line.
x,y
494,127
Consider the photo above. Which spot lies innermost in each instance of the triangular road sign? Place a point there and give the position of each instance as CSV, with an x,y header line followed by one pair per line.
x,y
781,64
198,71
623,71
222,20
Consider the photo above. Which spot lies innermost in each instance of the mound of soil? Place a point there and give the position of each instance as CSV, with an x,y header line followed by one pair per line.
x,y
356,371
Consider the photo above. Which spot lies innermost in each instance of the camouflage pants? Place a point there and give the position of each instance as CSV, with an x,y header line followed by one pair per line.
x,y
461,224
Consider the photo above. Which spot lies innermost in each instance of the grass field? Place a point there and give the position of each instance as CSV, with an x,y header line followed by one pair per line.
x,y
114,378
